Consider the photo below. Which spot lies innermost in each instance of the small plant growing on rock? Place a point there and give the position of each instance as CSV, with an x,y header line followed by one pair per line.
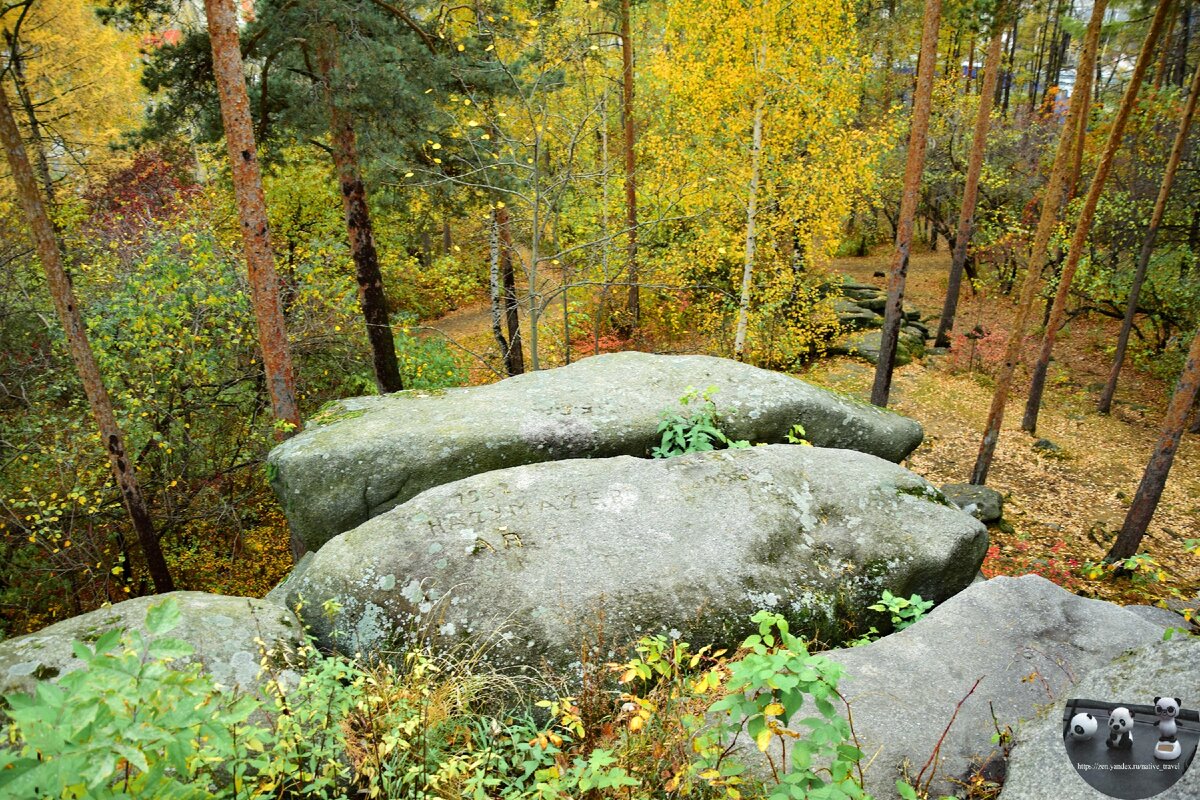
x,y
695,430
904,613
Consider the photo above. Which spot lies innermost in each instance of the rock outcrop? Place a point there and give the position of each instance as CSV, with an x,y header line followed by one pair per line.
x,y
223,631
367,455
1025,639
528,562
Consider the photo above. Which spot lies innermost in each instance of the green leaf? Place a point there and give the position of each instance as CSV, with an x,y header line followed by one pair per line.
x,y
170,648
163,617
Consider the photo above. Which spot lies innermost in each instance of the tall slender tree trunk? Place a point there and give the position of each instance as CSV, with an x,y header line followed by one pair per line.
x,y
1160,208
21,84
371,297
631,209
966,216
252,209
495,290
915,165
252,213
1051,204
739,342
65,303
1160,69
1011,63
1083,227
1149,491
514,356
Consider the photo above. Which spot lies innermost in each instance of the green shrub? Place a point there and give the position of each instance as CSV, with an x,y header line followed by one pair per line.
x,y
130,724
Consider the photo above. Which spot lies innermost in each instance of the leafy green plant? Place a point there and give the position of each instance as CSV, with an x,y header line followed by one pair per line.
x,y
1141,568
904,612
768,687
129,725
796,434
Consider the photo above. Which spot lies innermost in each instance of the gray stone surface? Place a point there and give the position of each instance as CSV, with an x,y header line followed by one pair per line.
x,y
981,502
369,454
527,561
1039,767
222,630
866,345
1028,639
1162,616
851,316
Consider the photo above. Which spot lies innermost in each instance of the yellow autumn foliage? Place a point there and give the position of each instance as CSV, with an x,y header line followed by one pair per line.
x,y
717,62
81,77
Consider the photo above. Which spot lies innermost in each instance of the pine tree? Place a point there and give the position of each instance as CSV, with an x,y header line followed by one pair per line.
x,y
914,166
1051,205
67,307
1143,263
1083,226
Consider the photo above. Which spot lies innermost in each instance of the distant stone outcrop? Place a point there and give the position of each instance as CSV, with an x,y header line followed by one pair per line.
x,y
860,311
367,455
528,562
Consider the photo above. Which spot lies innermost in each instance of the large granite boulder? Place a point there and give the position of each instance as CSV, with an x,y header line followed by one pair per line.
x,y
1027,639
1040,767
222,630
369,454
527,562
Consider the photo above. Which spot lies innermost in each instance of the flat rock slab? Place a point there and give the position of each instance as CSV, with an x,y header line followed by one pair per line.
x,y
1027,638
367,455
982,502
221,629
529,561
1040,768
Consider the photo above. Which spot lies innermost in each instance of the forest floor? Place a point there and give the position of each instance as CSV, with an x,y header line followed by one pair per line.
x,y
1064,509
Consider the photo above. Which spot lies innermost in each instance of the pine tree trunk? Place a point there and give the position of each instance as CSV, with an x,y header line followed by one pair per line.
x,y
1051,204
252,209
631,209
1139,276
739,342
966,216
65,303
514,357
371,297
915,165
1083,227
1149,491
252,213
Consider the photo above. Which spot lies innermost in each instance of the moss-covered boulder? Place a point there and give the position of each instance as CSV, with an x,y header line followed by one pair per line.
x,y
369,454
224,632
527,563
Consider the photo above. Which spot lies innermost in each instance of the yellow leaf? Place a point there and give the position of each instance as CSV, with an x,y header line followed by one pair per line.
x,y
763,740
